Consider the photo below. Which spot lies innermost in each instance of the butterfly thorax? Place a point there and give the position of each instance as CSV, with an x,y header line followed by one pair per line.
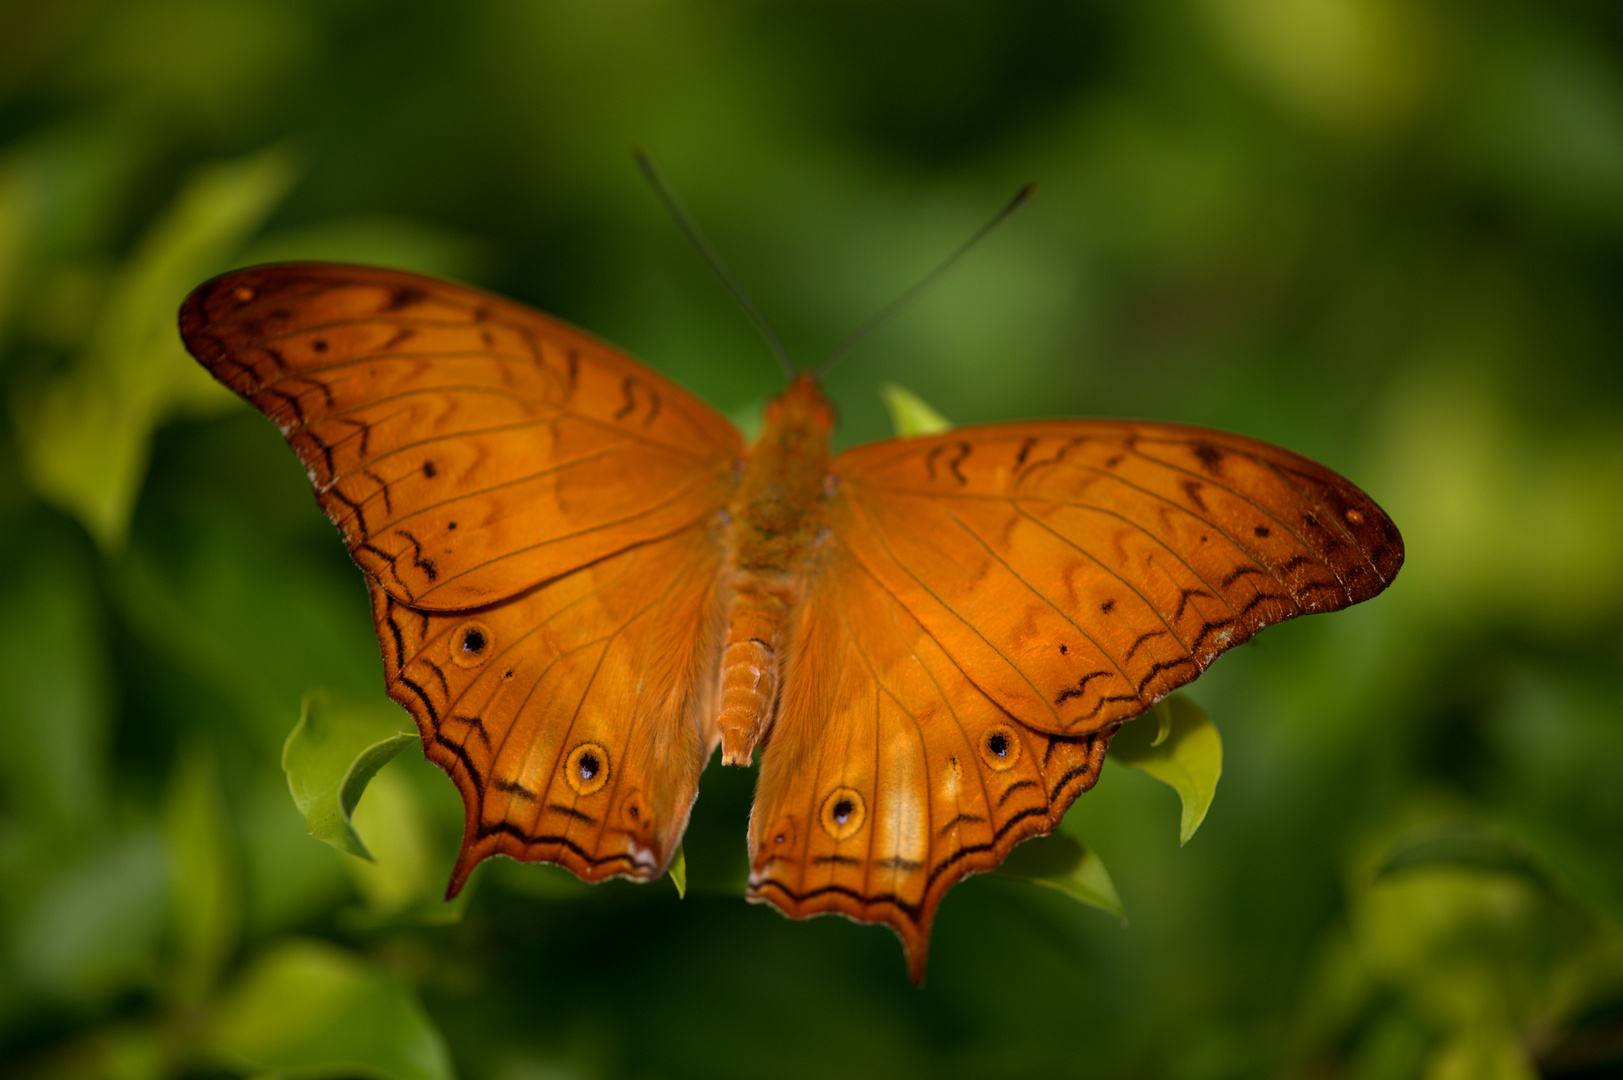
x,y
776,518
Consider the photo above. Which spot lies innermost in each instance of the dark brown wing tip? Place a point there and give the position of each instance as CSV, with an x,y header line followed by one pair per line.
x,y
194,322
202,306
1361,543
211,303
1389,555
918,958
454,886
1375,537
466,860
224,294
214,316
191,308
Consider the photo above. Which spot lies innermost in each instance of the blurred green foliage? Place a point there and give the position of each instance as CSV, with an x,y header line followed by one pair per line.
x,y
1387,235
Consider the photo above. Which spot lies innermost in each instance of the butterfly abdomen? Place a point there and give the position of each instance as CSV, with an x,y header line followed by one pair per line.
x,y
749,672
776,519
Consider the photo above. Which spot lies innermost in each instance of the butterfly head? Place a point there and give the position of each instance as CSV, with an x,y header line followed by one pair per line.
x,y
802,404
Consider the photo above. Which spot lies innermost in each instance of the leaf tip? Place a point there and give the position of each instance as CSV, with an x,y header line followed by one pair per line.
x,y
678,873
909,414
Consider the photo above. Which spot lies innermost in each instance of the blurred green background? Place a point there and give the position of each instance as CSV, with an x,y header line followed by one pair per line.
x,y
1386,234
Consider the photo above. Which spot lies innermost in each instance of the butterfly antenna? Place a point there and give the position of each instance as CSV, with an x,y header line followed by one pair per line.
x,y
897,306
697,238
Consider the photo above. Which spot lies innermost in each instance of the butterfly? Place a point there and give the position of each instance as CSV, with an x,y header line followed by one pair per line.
x,y
583,581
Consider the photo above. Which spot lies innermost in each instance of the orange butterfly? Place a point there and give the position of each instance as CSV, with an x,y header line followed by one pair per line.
x,y
583,581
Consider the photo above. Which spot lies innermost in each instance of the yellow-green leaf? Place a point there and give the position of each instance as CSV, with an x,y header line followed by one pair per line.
x,y
679,872
909,415
1180,747
331,755
1064,863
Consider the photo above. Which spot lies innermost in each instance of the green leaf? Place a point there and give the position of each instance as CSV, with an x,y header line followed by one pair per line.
x,y
309,1009
909,415
1588,873
679,872
1064,863
1163,723
332,753
85,435
1182,749
131,1051
207,907
1464,846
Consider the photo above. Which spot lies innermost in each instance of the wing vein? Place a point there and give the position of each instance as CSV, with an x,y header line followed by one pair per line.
x,y
879,538
1062,538
476,492
946,700
1249,501
369,462
1041,596
678,497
